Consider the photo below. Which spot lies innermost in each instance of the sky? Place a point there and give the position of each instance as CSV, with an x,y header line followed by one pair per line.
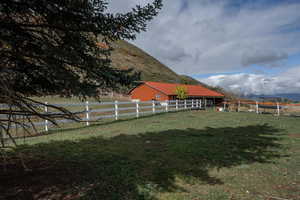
x,y
245,46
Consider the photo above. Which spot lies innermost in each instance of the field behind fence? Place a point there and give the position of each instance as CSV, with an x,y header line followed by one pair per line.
x,y
275,108
91,112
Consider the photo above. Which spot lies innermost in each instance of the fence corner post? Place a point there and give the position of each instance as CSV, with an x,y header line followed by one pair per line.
x,y
87,113
46,121
137,109
116,110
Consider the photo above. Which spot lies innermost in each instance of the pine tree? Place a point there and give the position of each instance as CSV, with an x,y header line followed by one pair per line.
x,y
56,47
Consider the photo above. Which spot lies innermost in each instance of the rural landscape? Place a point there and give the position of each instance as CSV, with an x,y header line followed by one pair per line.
x,y
94,105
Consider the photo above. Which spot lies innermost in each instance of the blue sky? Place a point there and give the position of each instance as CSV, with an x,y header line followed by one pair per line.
x,y
290,61
236,44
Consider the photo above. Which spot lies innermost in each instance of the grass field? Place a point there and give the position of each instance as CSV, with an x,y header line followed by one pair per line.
x,y
195,155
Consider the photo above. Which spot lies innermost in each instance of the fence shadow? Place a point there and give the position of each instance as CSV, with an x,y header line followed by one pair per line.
x,y
132,166
97,123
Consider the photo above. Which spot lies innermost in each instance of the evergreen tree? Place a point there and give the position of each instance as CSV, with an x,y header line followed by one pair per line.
x,y
56,47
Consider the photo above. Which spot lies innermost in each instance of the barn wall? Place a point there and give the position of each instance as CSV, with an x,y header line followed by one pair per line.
x,y
146,93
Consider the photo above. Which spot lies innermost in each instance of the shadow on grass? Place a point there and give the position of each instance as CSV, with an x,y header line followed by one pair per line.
x,y
93,124
107,122
135,166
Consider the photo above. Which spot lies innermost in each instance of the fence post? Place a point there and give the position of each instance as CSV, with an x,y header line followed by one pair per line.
x,y
257,111
87,113
116,110
205,103
167,106
278,109
1,135
197,103
153,106
224,107
185,104
176,104
239,106
192,103
137,110
200,104
46,121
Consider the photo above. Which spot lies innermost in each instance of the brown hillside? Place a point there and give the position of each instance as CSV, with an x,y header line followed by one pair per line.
x,y
126,55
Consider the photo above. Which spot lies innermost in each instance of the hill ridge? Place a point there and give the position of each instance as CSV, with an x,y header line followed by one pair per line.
x,y
126,55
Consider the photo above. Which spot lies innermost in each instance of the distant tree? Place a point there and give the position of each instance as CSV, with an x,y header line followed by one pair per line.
x,y
60,47
181,92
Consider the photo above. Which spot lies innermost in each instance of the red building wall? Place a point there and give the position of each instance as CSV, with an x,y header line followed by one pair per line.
x,y
146,93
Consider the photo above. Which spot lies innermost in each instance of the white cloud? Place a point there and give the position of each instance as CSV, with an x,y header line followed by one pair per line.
x,y
208,37
287,82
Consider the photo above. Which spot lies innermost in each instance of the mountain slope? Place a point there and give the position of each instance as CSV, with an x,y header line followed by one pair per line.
x,y
126,55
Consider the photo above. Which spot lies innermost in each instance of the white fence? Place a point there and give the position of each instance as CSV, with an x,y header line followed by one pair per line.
x,y
94,111
274,108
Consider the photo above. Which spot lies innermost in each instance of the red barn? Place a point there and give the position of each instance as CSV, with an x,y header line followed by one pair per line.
x,y
148,91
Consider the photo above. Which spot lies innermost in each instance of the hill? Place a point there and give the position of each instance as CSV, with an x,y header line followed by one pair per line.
x,y
127,55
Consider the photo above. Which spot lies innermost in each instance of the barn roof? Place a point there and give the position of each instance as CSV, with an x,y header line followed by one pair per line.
x,y
192,90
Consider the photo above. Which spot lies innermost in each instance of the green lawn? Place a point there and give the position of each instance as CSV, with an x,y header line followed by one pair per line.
x,y
187,155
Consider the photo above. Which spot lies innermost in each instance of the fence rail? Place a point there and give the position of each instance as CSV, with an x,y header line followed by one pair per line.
x,y
93,111
275,108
